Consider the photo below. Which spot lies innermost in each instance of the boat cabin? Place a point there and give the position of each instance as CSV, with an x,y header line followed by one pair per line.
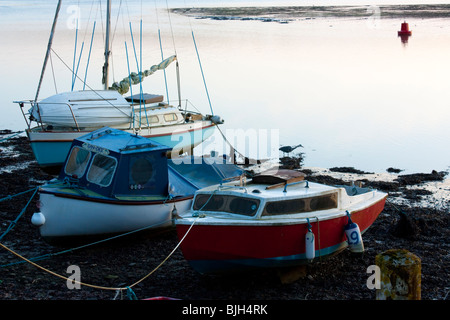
x,y
114,163
276,195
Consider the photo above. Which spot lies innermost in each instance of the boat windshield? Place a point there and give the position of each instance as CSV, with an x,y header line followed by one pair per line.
x,y
324,202
102,170
78,161
226,203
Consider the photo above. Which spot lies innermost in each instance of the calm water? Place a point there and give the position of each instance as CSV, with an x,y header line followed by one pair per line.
x,y
347,89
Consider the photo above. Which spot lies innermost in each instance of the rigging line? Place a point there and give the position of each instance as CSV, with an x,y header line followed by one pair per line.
x,y
203,75
74,54
53,73
228,142
89,86
49,46
131,89
200,63
117,19
89,56
101,19
161,49
171,28
112,40
89,19
78,65
140,71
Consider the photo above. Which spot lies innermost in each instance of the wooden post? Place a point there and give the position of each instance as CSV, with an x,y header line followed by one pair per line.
x,y
400,275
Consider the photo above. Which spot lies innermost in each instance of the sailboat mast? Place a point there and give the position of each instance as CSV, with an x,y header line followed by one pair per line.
x,y
107,52
49,47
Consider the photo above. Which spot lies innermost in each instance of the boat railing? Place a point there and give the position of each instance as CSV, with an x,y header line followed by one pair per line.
x,y
21,105
33,103
226,187
294,183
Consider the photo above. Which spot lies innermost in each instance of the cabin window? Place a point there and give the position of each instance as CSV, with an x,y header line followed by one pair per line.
x,y
226,203
141,171
102,170
168,117
154,119
324,202
78,161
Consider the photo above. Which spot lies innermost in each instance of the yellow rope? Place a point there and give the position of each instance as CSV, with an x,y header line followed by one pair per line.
x,y
96,286
55,274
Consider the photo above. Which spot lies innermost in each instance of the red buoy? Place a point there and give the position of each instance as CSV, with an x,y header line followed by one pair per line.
x,y
405,30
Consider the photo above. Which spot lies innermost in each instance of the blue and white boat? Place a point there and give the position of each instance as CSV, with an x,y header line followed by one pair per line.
x,y
181,131
53,122
115,182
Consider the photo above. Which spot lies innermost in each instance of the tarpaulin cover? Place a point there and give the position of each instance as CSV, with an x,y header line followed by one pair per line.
x,y
186,175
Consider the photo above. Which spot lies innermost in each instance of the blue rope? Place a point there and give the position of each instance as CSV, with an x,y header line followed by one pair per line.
x,y
89,56
201,69
13,223
162,59
130,294
140,76
74,54
49,255
137,66
17,194
129,80
78,65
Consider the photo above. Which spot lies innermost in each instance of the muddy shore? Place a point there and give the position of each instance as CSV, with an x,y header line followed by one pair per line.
x,y
405,224
285,14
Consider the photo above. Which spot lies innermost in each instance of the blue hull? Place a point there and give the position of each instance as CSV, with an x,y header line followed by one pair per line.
x,y
50,153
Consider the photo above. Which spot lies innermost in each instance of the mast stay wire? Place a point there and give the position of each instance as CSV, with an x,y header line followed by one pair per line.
x,y
200,63
161,49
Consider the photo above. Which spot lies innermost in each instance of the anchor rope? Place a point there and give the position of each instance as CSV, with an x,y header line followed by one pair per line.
x,y
130,293
53,254
13,223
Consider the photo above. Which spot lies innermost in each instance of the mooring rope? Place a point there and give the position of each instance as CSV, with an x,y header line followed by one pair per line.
x,y
13,223
130,292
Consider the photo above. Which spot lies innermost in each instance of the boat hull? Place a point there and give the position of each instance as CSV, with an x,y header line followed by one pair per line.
x,y
71,217
50,148
219,248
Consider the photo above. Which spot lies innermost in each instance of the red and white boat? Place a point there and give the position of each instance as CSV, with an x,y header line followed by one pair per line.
x,y
274,220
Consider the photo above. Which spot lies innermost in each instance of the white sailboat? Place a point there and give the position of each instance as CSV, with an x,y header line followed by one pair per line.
x,y
54,122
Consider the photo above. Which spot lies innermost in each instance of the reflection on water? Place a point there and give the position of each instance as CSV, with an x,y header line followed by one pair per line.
x,y
345,88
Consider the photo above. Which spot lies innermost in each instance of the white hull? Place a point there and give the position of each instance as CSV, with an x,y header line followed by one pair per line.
x,y
66,217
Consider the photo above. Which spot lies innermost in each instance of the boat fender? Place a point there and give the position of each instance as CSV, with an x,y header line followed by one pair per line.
x,y
309,243
354,239
38,219
217,120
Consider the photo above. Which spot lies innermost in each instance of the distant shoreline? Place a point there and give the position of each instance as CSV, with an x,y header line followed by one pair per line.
x,y
310,12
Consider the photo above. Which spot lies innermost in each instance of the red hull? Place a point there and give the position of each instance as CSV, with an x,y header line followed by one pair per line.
x,y
219,242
